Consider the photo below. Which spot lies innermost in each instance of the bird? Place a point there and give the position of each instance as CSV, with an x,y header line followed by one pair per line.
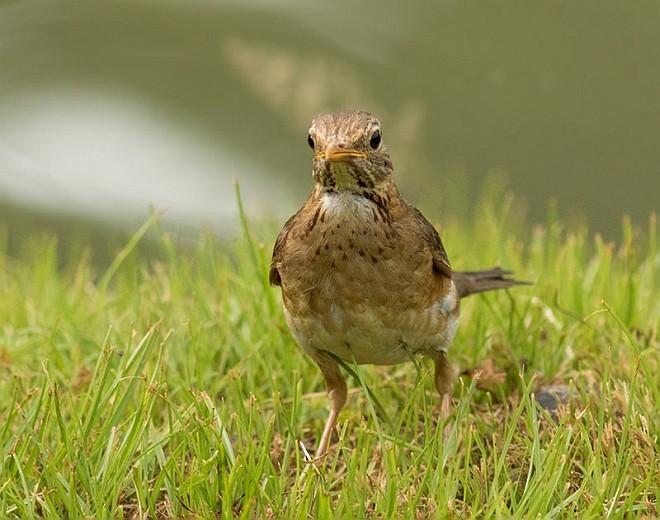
x,y
364,275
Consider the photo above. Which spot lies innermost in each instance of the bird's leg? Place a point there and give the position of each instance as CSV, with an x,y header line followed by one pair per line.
x,y
444,382
337,391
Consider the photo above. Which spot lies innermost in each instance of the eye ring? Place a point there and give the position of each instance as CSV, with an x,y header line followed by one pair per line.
x,y
375,140
310,141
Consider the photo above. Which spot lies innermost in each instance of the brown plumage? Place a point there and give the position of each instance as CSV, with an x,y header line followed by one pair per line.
x,y
364,276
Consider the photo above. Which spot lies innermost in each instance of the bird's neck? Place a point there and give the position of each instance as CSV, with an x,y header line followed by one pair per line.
x,y
353,204
382,195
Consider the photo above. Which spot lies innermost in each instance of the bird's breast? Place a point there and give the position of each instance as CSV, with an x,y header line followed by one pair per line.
x,y
356,282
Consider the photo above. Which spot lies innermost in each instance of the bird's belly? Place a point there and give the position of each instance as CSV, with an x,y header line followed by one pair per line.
x,y
377,336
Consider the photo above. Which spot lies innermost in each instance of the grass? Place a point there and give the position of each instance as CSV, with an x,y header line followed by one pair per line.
x,y
168,386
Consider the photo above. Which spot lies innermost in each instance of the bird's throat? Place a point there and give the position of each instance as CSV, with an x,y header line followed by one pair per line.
x,y
358,206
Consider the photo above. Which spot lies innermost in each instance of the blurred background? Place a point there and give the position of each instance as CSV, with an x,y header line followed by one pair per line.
x,y
107,108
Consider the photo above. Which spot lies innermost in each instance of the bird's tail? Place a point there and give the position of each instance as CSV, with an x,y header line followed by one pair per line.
x,y
471,282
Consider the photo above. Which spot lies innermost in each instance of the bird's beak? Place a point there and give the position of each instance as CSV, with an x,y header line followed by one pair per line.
x,y
334,153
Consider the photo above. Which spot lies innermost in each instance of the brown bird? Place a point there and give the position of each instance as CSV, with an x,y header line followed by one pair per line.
x,y
364,275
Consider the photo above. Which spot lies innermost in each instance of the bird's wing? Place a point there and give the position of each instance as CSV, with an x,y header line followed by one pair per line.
x,y
432,238
273,273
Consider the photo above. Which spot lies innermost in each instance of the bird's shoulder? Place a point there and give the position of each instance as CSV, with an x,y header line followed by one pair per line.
x,y
279,249
430,237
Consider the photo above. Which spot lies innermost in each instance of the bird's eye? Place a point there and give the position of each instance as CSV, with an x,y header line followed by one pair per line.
x,y
310,141
374,142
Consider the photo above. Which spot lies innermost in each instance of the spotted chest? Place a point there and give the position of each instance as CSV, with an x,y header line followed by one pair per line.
x,y
356,282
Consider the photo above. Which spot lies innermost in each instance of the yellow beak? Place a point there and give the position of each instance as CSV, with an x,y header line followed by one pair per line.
x,y
334,153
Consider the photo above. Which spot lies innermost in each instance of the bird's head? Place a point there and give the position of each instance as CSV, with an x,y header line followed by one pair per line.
x,y
349,153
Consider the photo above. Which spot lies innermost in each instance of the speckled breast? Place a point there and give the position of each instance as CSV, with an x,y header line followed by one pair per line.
x,y
357,287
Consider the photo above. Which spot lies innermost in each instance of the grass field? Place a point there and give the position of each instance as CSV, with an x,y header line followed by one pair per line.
x,y
167,385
